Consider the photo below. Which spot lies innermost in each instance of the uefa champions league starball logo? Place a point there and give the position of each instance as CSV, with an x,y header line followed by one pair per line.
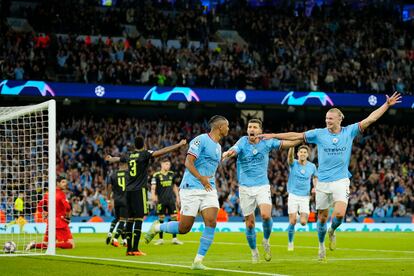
x,y
99,91
240,96
372,100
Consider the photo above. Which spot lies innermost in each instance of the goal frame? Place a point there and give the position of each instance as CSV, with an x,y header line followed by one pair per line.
x,y
51,220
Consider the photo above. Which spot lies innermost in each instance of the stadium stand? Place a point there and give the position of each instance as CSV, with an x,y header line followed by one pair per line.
x,y
330,49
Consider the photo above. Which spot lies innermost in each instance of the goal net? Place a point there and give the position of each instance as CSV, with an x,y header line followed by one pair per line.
x,y
27,172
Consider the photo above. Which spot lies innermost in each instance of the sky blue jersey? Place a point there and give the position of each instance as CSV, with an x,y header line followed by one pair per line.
x,y
208,155
253,160
300,176
334,151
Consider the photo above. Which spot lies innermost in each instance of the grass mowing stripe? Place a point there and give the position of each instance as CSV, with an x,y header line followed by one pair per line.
x,y
315,247
166,264
315,260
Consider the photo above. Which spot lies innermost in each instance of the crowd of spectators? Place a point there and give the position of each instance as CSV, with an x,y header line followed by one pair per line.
x,y
336,48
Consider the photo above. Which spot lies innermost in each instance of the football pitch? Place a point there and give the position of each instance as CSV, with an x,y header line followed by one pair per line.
x,y
357,253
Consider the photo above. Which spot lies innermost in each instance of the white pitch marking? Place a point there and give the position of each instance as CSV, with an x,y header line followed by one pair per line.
x,y
166,264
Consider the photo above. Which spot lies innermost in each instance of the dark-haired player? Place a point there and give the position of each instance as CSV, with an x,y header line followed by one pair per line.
x,y
117,191
198,190
164,194
252,165
136,192
64,237
301,174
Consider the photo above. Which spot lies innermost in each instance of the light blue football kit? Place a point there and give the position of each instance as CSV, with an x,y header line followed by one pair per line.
x,y
300,177
208,156
252,166
334,154
253,160
299,185
193,195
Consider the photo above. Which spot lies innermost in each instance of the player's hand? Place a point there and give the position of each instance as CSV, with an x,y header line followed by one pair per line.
x,y
394,99
206,183
108,157
182,142
265,136
227,155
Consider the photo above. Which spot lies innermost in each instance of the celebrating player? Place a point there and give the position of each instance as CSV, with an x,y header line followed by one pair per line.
x,y
64,237
136,192
252,164
301,172
165,196
334,151
117,185
198,190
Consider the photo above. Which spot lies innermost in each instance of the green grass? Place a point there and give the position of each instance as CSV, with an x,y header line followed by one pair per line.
x,y
357,253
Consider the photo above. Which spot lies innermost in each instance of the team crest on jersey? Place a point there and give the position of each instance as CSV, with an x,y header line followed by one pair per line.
x,y
254,151
302,171
335,140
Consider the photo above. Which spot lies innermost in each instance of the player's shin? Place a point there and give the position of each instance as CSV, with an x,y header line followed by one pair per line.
x,y
336,222
137,233
41,245
291,232
251,238
205,242
321,226
64,245
120,229
128,232
170,227
161,233
267,227
112,227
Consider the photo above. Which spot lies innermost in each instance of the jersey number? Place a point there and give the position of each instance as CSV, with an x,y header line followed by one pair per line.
x,y
132,168
121,183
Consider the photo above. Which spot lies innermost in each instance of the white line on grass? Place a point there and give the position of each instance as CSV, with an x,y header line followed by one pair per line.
x,y
315,260
315,247
21,254
165,264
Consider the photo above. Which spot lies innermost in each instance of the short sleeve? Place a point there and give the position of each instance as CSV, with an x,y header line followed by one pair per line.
x,y
153,180
354,129
196,146
124,159
148,154
237,147
274,144
311,136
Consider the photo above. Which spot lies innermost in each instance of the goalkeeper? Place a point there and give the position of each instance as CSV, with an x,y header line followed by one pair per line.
x,y
64,237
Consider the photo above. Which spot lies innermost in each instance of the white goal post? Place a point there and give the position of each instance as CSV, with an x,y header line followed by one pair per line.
x,y
27,171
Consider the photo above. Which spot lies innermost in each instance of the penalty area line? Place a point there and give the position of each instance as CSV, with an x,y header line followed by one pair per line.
x,y
164,264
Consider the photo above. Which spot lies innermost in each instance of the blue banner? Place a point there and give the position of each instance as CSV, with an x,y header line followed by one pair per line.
x,y
187,94
103,227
